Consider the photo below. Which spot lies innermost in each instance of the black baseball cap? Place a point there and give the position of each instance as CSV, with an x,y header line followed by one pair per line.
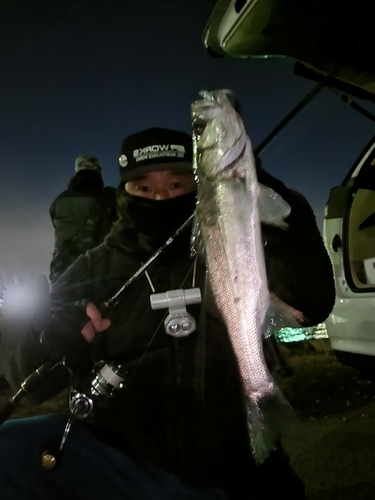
x,y
155,149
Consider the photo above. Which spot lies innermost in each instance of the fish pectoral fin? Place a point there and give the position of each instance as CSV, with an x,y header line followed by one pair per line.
x,y
273,209
281,315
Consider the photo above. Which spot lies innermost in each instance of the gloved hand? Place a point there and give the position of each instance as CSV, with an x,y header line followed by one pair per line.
x,y
71,329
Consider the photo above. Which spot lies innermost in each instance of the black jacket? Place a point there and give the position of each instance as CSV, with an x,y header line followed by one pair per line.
x,y
160,416
82,216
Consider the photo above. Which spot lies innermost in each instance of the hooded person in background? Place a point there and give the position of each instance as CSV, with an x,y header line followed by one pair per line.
x,y
82,215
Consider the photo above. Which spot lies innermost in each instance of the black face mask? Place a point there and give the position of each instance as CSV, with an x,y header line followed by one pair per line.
x,y
157,220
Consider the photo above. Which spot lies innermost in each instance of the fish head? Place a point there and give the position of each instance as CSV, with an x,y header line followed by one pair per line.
x,y
219,135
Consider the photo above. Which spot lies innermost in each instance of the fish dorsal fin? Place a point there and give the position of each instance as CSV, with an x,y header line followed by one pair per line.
x,y
273,209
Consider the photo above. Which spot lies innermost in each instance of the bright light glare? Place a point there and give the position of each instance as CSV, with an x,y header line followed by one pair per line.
x,y
19,300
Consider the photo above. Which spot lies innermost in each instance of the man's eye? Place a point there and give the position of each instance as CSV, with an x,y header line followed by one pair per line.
x,y
176,185
144,189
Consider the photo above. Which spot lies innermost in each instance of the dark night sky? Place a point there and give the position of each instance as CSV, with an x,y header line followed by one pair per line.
x,y
78,76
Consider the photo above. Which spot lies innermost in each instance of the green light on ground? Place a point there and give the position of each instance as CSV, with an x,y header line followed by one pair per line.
x,y
300,334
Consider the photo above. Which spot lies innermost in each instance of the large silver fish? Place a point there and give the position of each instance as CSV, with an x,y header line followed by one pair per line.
x,y
229,202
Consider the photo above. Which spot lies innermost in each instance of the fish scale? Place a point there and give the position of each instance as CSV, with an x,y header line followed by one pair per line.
x,y
232,239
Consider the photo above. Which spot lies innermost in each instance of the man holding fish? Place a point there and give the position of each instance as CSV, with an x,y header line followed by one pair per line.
x,y
201,417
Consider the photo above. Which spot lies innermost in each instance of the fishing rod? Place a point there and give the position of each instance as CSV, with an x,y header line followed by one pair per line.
x,y
35,379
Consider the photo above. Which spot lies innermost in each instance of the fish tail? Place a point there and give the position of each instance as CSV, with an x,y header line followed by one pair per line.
x,y
268,419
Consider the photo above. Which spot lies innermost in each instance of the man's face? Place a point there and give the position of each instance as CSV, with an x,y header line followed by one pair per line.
x,y
161,185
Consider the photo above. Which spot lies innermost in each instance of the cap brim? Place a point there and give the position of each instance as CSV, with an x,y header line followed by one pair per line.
x,y
182,166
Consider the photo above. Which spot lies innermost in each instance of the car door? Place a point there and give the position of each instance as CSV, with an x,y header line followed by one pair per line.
x,y
349,235
349,226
